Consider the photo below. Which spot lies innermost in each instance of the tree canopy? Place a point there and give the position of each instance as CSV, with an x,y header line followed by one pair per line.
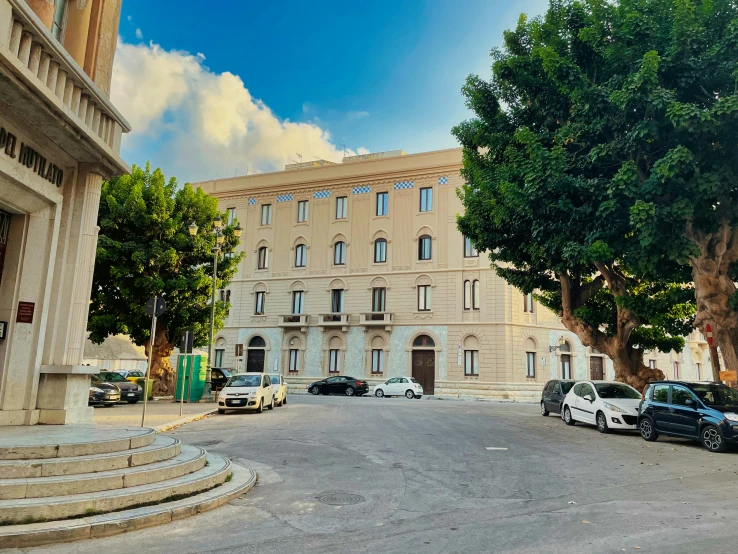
x,y
145,249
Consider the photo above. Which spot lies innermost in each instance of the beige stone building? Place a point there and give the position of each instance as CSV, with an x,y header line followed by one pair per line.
x,y
59,138
358,268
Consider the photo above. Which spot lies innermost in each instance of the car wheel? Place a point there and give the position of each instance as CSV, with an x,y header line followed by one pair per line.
x,y
221,411
409,394
544,411
285,400
109,405
349,391
132,401
567,416
271,406
647,429
712,439
379,393
315,391
602,423
261,406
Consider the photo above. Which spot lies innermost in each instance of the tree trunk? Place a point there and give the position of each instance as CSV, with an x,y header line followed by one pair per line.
x,y
161,370
714,287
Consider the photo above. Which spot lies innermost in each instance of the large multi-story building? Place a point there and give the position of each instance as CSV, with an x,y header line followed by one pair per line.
x,y
59,138
358,268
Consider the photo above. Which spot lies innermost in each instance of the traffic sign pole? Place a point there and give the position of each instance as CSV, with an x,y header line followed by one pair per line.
x,y
154,307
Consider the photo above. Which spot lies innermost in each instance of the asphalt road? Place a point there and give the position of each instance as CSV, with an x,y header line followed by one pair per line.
x,y
423,479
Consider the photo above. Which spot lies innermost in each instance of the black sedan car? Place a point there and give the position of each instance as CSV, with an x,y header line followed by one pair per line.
x,y
552,397
102,392
130,392
345,385
707,412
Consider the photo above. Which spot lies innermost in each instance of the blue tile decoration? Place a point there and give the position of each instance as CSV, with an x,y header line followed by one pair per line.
x,y
443,180
321,194
362,189
252,201
284,198
404,185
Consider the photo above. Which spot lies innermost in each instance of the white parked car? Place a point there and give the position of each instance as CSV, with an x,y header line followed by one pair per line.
x,y
399,386
247,391
280,390
606,404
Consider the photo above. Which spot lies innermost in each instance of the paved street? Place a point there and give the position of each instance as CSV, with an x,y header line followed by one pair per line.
x,y
424,480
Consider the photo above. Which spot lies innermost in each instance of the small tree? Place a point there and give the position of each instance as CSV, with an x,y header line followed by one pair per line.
x,y
548,211
145,249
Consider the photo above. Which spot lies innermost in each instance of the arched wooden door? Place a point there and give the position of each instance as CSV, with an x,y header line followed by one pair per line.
x,y
255,355
424,363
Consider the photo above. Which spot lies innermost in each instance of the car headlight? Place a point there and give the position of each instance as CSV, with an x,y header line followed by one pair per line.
x,y
613,408
139,388
95,389
731,416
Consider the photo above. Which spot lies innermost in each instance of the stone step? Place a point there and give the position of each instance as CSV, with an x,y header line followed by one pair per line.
x,y
162,448
189,460
28,510
57,441
36,534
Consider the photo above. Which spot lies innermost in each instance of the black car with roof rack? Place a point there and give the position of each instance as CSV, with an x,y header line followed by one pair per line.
x,y
707,412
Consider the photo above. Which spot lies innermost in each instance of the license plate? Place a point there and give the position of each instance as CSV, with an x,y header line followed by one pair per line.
x,y
131,394
238,401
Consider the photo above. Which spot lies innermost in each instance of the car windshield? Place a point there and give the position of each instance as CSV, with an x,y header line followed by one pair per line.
x,y
114,377
566,387
716,395
611,390
275,379
95,379
244,381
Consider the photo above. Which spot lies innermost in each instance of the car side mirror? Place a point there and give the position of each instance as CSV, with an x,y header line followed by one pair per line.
x,y
588,397
689,402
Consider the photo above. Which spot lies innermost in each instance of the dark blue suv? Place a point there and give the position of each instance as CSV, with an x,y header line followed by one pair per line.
x,y
707,412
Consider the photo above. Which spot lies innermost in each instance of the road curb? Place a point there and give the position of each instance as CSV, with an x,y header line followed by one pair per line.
x,y
182,421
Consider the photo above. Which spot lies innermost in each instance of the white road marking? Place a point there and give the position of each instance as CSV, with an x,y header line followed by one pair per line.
x,y
495,448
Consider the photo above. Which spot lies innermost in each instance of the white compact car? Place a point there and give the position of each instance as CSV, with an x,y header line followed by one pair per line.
x,y
606,404
399,386
280,390
247,391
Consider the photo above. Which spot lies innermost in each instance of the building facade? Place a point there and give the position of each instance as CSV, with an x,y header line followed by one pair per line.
x,y
359,269
59,138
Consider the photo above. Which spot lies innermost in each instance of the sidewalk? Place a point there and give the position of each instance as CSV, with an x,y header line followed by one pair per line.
x,y
158,414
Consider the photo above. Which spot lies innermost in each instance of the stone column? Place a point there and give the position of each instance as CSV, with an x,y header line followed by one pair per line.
x,y
77,29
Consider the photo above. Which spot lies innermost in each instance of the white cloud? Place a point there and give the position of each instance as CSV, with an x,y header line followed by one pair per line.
x,y
202,124
139,33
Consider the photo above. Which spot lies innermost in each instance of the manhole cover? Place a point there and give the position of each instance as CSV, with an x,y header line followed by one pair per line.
x,y
340,499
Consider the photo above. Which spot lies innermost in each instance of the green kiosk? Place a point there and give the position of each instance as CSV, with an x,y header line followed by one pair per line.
x,y
191,372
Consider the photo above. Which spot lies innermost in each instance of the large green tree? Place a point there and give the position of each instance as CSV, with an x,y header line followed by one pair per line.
x,y
145,249
546,204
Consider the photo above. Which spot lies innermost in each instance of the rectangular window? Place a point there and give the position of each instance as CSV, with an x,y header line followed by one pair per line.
x,y
380,251
337,301
424,248
302,211
342,207
475,295
528,303
294,360
334,361
426,199
530,364
467,295
259,303
339,253
300,255
652,364
379,297
219,354
469,250
263,261
676,370
382,203
377,361
471,362
298,302
60,17
266,214
230,216
424,298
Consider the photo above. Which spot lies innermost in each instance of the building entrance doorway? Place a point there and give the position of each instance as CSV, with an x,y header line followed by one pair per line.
x,y
424,363
596,368
255,355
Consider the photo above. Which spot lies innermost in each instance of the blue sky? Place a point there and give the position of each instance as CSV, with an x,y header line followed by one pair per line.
x,y
373,76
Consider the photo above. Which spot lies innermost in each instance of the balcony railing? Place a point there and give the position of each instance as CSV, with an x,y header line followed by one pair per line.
x,y
299,321
377,319
37,58
331,321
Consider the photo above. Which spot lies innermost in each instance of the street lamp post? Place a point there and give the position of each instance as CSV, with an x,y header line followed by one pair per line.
x,y
219,240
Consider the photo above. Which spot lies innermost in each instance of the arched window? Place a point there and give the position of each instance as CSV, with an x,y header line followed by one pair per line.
x,y
377,344
339,253
424,247
467,295
380,251
300,255
423,341
475,294
257,342
334,355
565,360
530,358
262,258
471,355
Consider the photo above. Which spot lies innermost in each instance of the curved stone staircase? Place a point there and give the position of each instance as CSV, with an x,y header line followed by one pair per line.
x,y
60,483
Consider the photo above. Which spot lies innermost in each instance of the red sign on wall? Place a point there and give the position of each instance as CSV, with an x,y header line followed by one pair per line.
x,y
708,334
25,312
